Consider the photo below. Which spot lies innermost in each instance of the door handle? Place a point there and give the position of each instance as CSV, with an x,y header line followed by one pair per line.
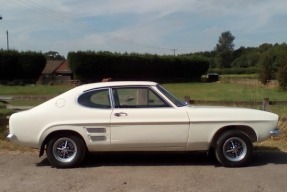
x,y
120,114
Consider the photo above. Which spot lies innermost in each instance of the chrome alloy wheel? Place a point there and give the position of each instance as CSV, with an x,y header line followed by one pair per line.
x,y
234,149
65,150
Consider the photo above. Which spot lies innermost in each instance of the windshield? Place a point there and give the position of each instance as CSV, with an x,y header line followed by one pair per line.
x,y
171,97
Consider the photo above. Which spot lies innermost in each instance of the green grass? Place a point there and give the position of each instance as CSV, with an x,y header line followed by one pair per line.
x,y
37,90
197,91
249,76
230,92
225,92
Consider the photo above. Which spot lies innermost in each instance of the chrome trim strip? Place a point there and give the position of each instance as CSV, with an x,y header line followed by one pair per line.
x,y
149,123
111,97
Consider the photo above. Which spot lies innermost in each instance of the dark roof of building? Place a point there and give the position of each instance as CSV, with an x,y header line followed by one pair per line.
x,y
56,66
63,68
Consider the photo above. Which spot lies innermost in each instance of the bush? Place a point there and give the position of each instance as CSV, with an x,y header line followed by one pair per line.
x,y
282,74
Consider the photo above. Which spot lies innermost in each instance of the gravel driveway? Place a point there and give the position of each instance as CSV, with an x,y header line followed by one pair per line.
x,y
141,172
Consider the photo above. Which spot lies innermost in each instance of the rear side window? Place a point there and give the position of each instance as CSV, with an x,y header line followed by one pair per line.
x,y
96,99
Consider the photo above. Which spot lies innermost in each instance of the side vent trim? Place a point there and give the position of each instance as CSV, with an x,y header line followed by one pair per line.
x,y
98,138
96,130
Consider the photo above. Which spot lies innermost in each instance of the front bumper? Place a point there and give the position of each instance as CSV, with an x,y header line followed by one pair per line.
x,y
275,132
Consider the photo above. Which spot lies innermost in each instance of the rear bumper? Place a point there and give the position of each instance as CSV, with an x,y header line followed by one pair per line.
x,y
275,132
11,137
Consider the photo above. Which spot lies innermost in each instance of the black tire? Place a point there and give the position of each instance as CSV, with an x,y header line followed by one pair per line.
x,y
233,149
66,151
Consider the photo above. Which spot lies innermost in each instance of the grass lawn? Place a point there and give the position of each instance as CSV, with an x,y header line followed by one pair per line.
x,y
197,91
37,90
225,92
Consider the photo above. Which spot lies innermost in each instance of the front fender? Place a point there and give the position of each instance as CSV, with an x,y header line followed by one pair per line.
x,y
202,135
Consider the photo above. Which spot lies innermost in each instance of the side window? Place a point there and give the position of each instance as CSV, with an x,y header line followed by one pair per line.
x,y
134,97
95,99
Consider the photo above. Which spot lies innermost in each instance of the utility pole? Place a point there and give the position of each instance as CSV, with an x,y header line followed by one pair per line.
x,y
7,40
7,36
174,50
0,17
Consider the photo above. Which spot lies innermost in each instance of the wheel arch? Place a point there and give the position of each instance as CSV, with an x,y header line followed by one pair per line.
x,y
59,132
248,131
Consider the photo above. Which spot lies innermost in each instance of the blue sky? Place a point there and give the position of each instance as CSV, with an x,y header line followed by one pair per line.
x,y
142,26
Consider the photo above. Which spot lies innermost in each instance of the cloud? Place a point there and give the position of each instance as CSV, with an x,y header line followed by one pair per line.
x,y
137,25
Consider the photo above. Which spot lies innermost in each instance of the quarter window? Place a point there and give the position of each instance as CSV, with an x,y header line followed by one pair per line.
x,y
174,99
96,99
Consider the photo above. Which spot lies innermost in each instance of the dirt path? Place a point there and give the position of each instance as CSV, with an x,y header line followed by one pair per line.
x,y
141,172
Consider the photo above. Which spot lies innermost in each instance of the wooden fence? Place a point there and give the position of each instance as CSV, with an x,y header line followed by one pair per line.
x,y
265,103
250,81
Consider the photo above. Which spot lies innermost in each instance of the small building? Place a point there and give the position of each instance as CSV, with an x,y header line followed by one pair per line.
x,y
212,77
56,71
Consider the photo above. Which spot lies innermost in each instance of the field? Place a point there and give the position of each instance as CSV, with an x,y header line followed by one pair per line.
x,y
230,92
219,91
197,91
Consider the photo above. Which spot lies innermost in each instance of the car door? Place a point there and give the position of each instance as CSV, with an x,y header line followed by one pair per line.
x,y
95,115
141,119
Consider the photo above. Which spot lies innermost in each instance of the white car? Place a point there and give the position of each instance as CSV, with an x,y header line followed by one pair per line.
x,y
137,116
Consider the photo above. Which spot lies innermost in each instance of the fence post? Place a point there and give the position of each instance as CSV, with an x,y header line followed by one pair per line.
x,y
265,104
187,99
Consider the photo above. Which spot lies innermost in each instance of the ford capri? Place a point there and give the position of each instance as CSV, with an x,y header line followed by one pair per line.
x,y
137,116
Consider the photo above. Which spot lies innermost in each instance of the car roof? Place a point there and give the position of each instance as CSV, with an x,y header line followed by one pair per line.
x,y
115,84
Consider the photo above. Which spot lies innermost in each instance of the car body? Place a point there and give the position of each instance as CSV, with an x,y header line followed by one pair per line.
x,y
137,116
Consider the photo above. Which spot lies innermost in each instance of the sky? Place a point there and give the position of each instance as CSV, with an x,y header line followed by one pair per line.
x,y
141,26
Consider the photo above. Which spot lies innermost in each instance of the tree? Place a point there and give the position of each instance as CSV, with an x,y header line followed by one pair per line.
x,y
224,49
266,69
225,42
282,74
53,55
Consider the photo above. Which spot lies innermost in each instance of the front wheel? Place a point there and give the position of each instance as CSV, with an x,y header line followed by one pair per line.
x,y
233,149
66,151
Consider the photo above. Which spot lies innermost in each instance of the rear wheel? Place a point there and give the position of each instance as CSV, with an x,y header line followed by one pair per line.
x,y
66,151
233,148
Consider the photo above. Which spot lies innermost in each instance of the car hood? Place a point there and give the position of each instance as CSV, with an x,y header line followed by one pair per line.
x,y
216,113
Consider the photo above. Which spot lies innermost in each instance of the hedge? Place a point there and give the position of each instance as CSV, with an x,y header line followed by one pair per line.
x,y
94,66
21,66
